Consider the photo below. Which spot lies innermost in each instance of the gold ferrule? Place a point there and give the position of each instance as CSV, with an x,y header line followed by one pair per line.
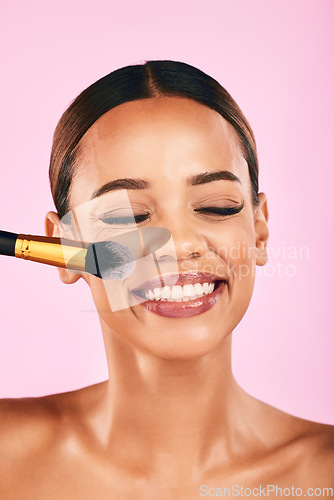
x,y
53,251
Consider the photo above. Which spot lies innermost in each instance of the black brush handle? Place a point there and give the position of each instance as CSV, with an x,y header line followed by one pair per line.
x,y
7,243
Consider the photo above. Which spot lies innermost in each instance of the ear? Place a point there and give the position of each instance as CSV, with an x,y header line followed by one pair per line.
x,y
52,228
261,230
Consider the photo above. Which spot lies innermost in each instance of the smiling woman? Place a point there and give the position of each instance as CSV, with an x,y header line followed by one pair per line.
x,y
161,145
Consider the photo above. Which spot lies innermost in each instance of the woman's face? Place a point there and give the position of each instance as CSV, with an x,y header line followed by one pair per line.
x,y
170,142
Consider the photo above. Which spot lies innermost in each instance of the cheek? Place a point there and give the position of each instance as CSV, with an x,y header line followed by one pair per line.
x,y
108,296
241,258
118,321
99,295
234,244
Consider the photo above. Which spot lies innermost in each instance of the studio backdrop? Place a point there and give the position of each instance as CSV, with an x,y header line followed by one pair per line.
x,y
276,60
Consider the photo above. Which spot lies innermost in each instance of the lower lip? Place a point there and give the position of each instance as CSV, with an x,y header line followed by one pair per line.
x,y
185,309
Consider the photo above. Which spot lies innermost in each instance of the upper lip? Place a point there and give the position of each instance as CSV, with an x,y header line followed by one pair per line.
x,y
188,278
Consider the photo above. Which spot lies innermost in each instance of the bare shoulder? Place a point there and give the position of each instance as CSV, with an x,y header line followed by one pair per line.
x,y
37,435
305,446
30,425
317,446
25,424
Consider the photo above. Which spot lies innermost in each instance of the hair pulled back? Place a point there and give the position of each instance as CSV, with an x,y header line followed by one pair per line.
x,y
142,81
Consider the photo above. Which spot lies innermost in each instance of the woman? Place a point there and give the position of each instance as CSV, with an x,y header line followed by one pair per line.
x,y
171,421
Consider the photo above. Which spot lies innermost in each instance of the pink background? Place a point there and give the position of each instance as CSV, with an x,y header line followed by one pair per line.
x,y
276,59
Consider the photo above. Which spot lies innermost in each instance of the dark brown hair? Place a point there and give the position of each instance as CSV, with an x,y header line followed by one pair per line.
x,y
154,78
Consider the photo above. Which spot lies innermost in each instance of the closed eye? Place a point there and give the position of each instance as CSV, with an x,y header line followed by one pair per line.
x,y
222,211
125,220
137,219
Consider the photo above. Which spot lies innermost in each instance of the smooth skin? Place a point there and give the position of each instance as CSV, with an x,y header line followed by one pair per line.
x,y
171,417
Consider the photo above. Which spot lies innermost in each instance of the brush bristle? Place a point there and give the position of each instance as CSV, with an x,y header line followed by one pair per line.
x,y
109,260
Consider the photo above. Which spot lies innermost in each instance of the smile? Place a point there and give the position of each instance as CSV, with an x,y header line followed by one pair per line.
x,y
193,294
178,293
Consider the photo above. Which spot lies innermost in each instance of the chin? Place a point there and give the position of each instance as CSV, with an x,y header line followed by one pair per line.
x,y
186,349
182,339
178,338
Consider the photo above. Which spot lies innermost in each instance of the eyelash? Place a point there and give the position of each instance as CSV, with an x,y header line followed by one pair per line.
x,y
224,211
215,211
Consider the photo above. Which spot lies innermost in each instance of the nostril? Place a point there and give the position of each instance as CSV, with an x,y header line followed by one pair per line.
x,y
194,254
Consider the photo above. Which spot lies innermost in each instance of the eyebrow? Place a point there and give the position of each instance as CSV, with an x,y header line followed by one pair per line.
x,y
121,184
203,178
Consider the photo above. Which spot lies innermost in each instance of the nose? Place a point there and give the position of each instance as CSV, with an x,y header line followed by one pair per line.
x,y
186,243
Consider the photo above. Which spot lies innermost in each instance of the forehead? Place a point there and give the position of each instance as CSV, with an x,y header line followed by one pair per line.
x,y
163,139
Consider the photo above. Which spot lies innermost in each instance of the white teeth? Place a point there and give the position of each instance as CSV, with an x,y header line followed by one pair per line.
x,y
165,292
198,288
189,291
157,293
178,293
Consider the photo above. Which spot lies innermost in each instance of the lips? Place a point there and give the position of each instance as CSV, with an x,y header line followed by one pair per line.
x,y
182,309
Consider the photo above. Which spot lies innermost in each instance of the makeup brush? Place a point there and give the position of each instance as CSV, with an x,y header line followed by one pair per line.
x,y
111,259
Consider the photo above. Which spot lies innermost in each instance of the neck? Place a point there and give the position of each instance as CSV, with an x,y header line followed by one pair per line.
x,y
163,409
